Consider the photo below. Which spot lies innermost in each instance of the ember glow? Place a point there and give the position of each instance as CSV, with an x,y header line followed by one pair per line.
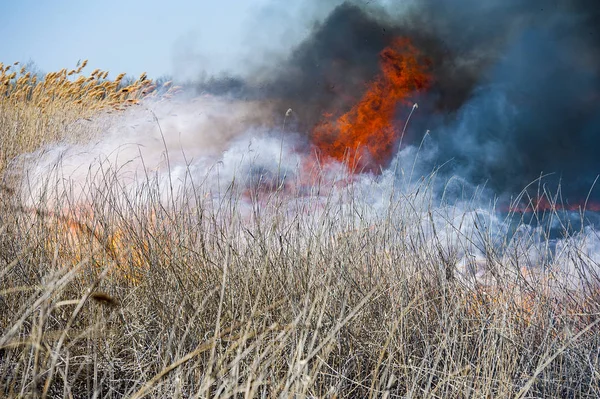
x,y
544,204
366,135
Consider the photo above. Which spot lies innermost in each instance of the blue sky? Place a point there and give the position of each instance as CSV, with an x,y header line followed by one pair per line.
x,y
175,37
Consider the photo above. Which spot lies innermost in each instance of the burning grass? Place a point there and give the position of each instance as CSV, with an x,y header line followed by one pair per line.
x,y
293,291
365,136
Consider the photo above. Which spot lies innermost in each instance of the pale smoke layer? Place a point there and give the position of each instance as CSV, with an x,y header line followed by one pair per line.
x,y
209,143
208,139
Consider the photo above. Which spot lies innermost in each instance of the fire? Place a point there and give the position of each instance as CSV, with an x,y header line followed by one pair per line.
x,y
78,237
365,135
544,204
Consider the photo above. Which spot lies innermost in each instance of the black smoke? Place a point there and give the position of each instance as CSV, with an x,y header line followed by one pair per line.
x,y
328,72
535,109
516,91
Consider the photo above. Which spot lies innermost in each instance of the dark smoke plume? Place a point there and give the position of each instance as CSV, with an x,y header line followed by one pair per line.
x,y
536,108
330,69
516,83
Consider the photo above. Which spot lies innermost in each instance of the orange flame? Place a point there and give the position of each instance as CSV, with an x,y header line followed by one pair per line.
x,y
366,134
543,204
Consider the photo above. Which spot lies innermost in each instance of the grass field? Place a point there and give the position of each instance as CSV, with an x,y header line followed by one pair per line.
x,y
312,292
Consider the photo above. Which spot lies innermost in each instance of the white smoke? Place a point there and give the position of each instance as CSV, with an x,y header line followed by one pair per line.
x,y
168,141
213,144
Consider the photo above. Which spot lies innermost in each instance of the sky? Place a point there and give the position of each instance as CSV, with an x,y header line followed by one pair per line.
x,y
181,38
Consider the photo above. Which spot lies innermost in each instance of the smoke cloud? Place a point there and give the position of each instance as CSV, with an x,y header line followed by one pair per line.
x,y
515,95
516,92
535,108
208,142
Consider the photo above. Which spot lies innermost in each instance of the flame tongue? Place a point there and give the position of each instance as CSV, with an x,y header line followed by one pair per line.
x,y
365,135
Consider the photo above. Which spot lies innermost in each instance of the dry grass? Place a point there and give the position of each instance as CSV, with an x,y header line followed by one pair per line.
x,y
199,297
35,111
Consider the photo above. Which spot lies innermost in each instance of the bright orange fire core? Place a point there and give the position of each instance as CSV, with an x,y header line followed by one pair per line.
x,y
365,135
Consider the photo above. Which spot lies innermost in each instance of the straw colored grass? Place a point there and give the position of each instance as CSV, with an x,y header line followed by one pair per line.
x,y
38,110
176,294
195,300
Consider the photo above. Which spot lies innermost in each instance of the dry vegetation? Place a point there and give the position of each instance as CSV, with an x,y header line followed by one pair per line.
x,y
38,110
192,297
